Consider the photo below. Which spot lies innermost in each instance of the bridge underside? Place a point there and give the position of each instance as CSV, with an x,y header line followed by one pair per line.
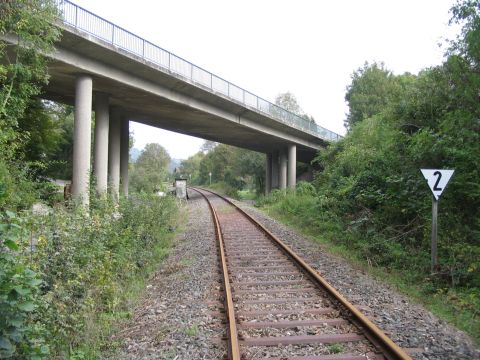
x,y
159,112
148,94
93,75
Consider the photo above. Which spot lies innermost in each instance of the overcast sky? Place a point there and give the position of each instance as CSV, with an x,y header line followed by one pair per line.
x,y
307,47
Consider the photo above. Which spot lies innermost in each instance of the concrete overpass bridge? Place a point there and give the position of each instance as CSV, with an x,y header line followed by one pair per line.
x,y
98,65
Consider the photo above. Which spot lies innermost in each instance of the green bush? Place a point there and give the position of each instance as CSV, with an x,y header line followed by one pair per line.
x,y
226,189
19,297
16,191
56,283
305,189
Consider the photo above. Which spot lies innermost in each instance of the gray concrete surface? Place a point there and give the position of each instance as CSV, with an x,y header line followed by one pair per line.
x,y
114,152
100,157
82,138
283,169
292,168
147,94
124,155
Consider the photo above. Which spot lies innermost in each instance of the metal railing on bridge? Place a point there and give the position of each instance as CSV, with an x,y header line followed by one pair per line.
x,y
84,20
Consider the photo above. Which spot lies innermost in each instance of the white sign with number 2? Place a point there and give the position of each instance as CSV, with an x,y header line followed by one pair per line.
x,y
437,180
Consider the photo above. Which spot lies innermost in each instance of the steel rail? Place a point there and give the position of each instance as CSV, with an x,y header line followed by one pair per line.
x,y
389,349
233,347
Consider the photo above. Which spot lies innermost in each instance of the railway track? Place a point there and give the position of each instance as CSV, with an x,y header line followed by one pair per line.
x,y
277,306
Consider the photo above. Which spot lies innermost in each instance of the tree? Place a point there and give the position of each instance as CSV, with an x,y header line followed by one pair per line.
x,y
190,168
219,162
150,170
467,44
252,167
23,71
464,55
59,163
235,167
289,102
30,27
45,129
372,88
23,67
208,145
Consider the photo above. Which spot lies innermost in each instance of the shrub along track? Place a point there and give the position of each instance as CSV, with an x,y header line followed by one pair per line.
x,y
277,306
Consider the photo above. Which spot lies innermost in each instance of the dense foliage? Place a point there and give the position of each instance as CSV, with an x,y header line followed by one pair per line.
x,y
235,168
65,271
22,73
372,88
23,68
150,170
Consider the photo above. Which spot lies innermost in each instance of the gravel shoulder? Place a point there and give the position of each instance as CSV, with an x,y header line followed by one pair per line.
x,y
173,319
178,318
410,325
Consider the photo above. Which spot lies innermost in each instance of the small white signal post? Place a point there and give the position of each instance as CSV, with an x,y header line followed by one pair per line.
x,y
437,180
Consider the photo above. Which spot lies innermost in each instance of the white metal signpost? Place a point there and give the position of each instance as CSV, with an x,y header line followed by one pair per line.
x,y
437,180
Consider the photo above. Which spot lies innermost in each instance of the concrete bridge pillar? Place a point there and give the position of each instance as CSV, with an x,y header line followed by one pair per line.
x,y
292,166
100,155
275,170
82,139
283,169
124,155
114,153
268,173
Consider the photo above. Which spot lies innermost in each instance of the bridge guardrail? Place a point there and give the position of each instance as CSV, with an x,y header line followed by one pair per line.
x,y
84,20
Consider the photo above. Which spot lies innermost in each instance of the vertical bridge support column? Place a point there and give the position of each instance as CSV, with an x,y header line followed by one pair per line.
x,y
114,153
100,156
124,155
283,169
268,173
82,139
275,170
292,166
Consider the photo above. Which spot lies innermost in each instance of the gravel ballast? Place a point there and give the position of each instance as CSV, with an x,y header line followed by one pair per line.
x,y
174,321
410,325
179,318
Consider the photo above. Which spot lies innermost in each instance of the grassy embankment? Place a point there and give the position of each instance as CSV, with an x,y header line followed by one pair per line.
x,y
457,305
